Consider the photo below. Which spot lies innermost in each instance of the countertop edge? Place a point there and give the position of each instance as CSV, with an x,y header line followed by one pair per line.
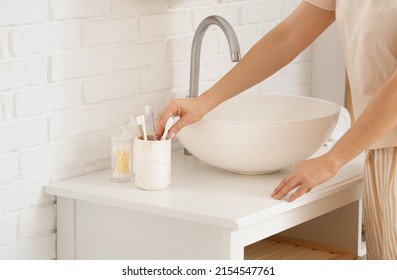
x,y
155,210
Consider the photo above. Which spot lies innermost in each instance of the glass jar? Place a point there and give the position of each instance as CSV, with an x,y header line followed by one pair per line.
x,y
121,155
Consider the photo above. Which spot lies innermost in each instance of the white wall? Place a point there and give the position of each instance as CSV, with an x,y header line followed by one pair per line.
x,y
71,69
328,67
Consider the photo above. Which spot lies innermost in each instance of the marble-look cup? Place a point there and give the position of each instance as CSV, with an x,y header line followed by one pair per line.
x,y
152,163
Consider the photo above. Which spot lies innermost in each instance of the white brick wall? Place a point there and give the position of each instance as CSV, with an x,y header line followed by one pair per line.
x,y
23,12
23,135
67,9
3,44
139,55
101,32
21,73
80,64
70,70
41,38
8,168
47,98
112,86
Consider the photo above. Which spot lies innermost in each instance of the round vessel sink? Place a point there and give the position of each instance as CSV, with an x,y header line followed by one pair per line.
x,y
260,134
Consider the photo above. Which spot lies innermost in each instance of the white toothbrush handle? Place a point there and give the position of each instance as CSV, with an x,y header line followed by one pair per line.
x,y
168,125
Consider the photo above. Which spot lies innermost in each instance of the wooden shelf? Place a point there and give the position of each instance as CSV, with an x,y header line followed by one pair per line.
x,y
283,248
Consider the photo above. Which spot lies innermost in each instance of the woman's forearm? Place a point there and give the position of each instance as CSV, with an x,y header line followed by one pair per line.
x,y
275,50
379,117
268,56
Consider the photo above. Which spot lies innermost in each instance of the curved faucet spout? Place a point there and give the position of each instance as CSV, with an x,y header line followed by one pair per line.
x,y
196,48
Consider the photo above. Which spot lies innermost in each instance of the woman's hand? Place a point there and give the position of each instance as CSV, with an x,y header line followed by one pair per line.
x,y
306,175
189,110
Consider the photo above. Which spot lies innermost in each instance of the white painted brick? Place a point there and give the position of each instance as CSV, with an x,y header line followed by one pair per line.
x,y
288,7
296,91
100,32
66,172
213,68
66,9
230,13
23,194
97,166
291,76
180,74
256,12
57,155
167,24
21,73
127,7
113,86
8,229
44,38
139,55
269,25
247,36
271,84
191,3
80,64
154,79
5,107
3,44
22,12
179,49
35,221
160,78
98,147
40,248
23,135
48,99
120,111
296,74
77,122
8,168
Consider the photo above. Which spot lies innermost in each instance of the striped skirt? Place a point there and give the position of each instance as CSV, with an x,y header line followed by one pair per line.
x,y
380,203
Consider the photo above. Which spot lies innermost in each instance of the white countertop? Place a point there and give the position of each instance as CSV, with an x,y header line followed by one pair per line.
x,y
202,193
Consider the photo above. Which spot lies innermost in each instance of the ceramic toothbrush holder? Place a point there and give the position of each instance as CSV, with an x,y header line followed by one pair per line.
x,y
152,163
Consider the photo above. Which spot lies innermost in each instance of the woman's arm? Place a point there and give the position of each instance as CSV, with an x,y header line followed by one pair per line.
x,y
379,117
275,50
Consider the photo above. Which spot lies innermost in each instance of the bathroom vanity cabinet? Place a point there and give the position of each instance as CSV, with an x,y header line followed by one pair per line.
x,y
206,213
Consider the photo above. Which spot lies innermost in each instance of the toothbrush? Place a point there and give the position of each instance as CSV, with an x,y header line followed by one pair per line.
x,y
168,125
149,115
140,120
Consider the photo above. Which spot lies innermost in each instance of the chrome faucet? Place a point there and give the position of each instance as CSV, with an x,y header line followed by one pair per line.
x,y
234,48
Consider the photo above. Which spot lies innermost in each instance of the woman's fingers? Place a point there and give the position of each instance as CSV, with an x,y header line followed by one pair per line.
x,y
299,192
306,175
286,186
178,125
281,185
188,110
164,115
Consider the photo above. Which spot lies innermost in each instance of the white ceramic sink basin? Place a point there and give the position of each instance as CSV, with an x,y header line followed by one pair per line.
x,y
259,134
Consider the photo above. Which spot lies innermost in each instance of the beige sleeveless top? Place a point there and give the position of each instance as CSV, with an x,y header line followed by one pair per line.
x,y
368,33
